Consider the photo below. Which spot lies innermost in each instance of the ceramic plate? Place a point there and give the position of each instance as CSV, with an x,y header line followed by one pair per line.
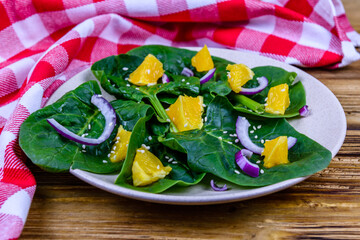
x,y
326,124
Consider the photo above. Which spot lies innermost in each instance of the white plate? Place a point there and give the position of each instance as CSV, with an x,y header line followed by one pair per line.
x,y
326,125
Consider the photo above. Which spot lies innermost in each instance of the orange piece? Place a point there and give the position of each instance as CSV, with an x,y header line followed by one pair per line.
x,y
147,168
202,61
275,152
238,76
148,72
119,149
278,99
186,113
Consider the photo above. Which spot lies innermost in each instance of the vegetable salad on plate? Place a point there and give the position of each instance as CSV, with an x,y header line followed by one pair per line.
x,y
178,115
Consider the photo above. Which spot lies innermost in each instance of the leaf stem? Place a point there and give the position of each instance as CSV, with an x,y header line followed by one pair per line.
x,y
161,112
249,103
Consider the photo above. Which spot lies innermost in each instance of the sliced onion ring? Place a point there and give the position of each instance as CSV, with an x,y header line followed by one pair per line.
x,y
242,131
187,72
208,76
216,187
304,111
249,168
110,121
263,83
165,78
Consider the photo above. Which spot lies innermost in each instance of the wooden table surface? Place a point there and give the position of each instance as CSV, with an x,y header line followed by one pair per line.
x,y
325,206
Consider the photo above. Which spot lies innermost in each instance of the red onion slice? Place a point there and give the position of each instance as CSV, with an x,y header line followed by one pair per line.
x,y
263,83
304,111
249,168
187,72
242,131
216,187
208,76
110,121
291,142
165,78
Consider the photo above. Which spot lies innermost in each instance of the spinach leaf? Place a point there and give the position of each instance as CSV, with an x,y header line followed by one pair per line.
x,y
180,174
54,153
212,149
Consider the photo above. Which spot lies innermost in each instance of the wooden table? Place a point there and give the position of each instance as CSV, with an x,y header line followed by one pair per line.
x,y
325,206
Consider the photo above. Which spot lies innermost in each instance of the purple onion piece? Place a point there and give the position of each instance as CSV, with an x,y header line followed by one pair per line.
x,y
291,142
242,131
304,111
110,121
216,187
207,76
165,78
249,168
187,72
263,83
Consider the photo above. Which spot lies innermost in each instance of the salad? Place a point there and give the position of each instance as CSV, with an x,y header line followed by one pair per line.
x,y
178,115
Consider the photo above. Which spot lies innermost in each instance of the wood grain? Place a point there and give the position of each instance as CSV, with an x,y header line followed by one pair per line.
x,y
325,206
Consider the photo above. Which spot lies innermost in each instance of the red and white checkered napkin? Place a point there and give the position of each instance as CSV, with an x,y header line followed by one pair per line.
x,y
44,43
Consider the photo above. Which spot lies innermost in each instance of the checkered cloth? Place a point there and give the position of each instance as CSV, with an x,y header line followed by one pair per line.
x,y
44,43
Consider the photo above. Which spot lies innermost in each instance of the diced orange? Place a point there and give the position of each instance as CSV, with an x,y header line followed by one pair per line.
x,y
275,152
147,168
238,76
149,71
202,61
186,113
119,149
278,99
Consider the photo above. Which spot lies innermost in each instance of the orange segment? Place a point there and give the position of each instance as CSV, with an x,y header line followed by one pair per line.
x,y
186,113
202,61
238,76
275,152
119,149
278,99
149,71
147,168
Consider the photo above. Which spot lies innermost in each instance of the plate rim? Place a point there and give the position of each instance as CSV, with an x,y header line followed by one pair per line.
x,y
220,198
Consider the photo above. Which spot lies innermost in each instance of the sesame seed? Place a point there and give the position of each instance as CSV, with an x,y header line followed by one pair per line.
x,y
230,143
220,138
183,80
150,138
116,142
84,135
125,68
148,71
258,161
104,161
236,171
225,132
187,83
112,151
137,88
254,127
83,150
203,105
127,145
158,166
109,155
170,159
185,125
126,79
140,151
168,120
266,99
128,85
110,124
252,131
89,126
262,141
151,84
262,171
265,104
236,140
255,136
83,146
282,90
205,119
174,162
258,127
167,109
166,157
114,148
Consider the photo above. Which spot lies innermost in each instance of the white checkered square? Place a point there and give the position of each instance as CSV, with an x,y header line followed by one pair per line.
x,y
81,13
192,4
115,28
315,36
146,8
21,69
155,39
264,24
30,30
